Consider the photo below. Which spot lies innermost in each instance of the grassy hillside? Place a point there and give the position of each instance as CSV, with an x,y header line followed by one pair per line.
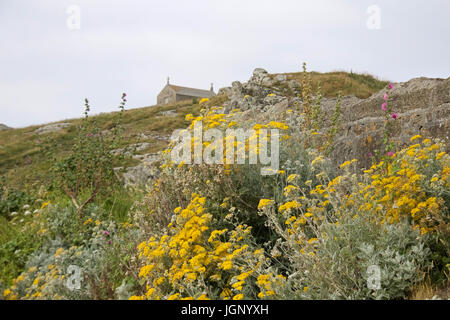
x,y
222,231
23,165
359,85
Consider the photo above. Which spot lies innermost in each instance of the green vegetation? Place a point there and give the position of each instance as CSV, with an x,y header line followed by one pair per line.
x,y
359,85
309,230
26,167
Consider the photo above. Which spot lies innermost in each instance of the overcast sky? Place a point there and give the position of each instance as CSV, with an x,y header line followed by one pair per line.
x,y
48,65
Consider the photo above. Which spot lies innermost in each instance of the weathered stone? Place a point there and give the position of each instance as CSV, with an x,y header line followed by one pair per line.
x,y
169,113
267,82
144,172
280,77
154,135
422,104
236,87
4,127
139,147
293,84
225,90
259,73
423,107
52,128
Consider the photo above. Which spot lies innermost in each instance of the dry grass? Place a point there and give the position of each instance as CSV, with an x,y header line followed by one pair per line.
x,y
426,291
25,167
360,85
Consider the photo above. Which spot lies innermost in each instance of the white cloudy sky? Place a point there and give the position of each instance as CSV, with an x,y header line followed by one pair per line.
x,y
47,69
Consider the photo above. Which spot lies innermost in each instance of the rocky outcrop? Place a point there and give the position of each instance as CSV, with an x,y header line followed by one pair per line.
x,y
52,128
423,107
258,93
136,147
144,172
153,135
4,127
422,104
168,113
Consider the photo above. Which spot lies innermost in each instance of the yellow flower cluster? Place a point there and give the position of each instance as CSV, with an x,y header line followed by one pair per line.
x,y
263,203
289,206
402,188
33,283
190,253
407,187
212,118
266,283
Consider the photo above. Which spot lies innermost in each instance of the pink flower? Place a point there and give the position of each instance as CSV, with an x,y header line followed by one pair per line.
x,y
384,106
391,86
390,153
385,97
370,154
106,232
394,115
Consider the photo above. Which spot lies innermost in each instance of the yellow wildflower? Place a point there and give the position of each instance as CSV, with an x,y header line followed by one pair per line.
x,y
58,252
263,203
291,177
6,293
46,203
174,296
418,136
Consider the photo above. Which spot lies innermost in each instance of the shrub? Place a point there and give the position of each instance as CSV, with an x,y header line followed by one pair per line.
x,y
319,235
332,232
99,248
340,260
88,171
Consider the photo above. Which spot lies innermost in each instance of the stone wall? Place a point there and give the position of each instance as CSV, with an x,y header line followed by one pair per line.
x,y
423,106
